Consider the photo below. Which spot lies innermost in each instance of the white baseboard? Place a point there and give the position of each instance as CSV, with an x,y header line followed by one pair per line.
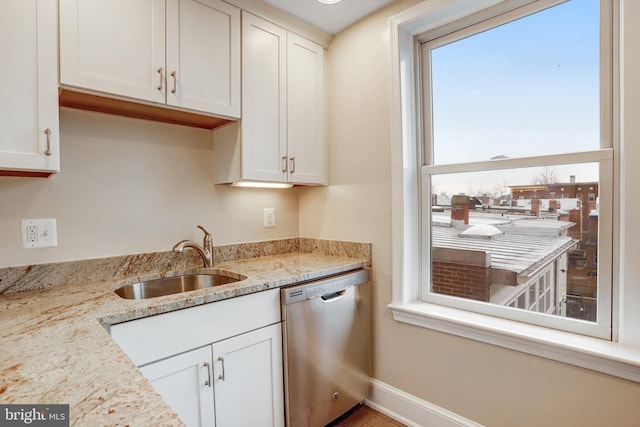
x,y
410,410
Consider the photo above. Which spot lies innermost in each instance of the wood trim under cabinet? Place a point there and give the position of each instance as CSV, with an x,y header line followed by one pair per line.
x,y
26,174
120,107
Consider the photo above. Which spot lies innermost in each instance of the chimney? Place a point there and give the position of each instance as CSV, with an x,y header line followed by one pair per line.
x,y
460,209
535,207
572,179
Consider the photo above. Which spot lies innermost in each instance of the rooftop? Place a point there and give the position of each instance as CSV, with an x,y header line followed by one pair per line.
x,y
517,253
513,224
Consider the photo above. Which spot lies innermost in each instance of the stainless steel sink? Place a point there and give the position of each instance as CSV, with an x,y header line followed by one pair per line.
x,y
176,284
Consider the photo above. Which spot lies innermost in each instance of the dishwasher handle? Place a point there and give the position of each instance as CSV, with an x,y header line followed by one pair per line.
x,y
327,288
334,296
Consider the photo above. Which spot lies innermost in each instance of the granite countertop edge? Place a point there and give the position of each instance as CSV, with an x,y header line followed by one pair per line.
x,y
263,273
56,348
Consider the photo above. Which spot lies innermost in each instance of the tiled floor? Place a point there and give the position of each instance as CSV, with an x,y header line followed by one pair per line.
x,y
364,416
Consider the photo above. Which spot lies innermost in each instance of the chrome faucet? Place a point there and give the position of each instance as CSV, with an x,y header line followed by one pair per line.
x,y
205,251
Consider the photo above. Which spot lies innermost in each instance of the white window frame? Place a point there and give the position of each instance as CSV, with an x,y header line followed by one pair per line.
x,y
619,356
603,156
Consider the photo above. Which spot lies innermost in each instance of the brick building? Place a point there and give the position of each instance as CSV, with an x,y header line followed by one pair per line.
x,y
577,202
513,260
513,268
585,191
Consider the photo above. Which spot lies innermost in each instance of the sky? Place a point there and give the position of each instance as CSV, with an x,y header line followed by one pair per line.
x,y
527,88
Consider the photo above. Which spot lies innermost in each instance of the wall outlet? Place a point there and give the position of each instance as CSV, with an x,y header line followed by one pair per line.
x,y
269,217
39,233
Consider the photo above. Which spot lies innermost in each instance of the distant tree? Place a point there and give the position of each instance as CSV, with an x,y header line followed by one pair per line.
x,y
501,188
544,176
473,192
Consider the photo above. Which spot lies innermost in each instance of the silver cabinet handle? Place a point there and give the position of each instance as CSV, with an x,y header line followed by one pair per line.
x,y
208,381
159,70
221,360
284,163
293,164
47,132
173,74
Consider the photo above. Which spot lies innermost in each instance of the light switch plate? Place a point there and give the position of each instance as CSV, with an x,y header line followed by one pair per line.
x,y
39,233
269,217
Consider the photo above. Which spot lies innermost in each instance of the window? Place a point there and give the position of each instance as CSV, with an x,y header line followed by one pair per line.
x,y
513,106
418,170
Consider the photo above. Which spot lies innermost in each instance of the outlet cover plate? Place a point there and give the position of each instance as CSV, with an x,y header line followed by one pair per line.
x,y
39,233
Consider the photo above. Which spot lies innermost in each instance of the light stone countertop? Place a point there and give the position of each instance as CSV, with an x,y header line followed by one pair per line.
x,y
54,348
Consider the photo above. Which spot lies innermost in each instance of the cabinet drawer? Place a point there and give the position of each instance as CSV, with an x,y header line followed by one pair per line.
x,y
156,337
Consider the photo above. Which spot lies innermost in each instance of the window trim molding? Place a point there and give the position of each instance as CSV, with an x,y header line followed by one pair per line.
x,y
578,350
609,357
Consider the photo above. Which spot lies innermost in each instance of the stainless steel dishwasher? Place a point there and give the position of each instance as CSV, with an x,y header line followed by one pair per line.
x,y
327,347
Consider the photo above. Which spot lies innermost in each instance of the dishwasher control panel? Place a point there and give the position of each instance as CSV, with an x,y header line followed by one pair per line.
x,y
324,286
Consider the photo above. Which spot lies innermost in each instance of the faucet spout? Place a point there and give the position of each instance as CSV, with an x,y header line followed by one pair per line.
x,y
205,250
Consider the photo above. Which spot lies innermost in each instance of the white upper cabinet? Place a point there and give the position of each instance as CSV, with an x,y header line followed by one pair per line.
x,y
203,56
264,102
281,137
182,53
29,106
114,46
305,111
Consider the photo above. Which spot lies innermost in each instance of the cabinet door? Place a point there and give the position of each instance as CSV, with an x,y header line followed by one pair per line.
x,y
264,125
305,111
114,46
29,103
203,56
184,381
248,379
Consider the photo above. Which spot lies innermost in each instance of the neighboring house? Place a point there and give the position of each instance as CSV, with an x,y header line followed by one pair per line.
x,y
585,191
512,260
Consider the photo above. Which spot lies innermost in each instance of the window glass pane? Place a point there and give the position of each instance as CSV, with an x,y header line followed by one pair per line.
x,y
503,237
533,298
527,88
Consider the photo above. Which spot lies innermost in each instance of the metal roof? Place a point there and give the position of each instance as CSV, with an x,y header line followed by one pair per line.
x,y
518,253
515,224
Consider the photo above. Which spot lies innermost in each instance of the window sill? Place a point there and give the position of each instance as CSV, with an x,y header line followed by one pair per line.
x,y
592,353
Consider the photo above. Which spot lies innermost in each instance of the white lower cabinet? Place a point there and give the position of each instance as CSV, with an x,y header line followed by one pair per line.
x,y
242,375
219,364
184,381
247,379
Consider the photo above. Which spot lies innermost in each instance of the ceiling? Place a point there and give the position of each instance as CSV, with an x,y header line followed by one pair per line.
x,y
331,18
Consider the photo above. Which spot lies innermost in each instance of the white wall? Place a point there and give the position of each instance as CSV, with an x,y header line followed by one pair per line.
x,y
131,186
488,384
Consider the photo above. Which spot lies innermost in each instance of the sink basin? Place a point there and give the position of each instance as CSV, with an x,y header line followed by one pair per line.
x,y
176,284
